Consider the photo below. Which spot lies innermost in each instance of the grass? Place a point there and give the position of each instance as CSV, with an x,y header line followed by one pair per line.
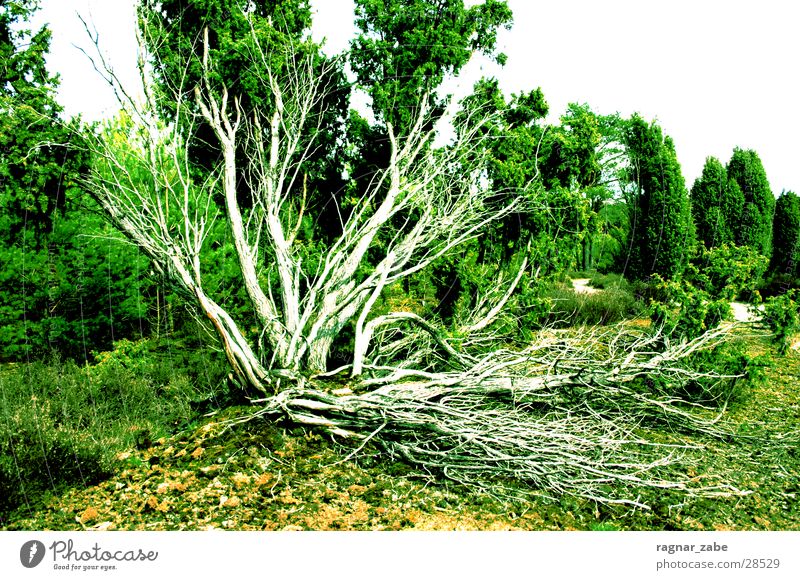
x,y
266,476
613,304
608,281
61,424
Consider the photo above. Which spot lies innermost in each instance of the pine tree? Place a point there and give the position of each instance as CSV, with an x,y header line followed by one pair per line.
x,y
36,166
661,231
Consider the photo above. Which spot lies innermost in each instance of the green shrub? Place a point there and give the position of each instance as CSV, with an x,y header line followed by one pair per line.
x,y
727,272
729,359
782,317
734,372
38,453
682,311
62,424
78,294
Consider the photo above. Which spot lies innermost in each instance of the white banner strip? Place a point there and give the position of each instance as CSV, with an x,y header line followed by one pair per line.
x,y
403,555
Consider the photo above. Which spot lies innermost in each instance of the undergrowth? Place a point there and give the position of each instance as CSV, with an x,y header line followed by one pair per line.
x,y
61,424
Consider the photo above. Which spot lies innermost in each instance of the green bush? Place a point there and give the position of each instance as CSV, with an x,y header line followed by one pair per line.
x,y
735,372
682,311
38,453
72,291
782,317
727,272
729,359
62,424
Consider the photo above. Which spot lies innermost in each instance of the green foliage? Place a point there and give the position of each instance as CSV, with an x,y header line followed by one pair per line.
x,y
660,219
405,49
739,372
754,227
786,235
560,184
717,203
609,245
61,287
38,165
62,424
782,316
38,454
580,156
568,308
727,272
683,311
570,155
76,294
175,30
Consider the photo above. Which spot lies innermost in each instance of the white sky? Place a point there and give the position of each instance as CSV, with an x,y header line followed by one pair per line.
x,y
716,74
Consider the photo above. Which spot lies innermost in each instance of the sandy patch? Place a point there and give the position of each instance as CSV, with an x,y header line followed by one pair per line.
x,y
743,313
581,286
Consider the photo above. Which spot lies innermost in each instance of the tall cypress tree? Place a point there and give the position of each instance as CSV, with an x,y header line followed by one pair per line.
x,y
754,227
786,235
717,203
660,220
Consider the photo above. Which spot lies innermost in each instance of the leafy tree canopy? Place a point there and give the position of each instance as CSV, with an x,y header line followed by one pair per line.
x,y
174,32
405,49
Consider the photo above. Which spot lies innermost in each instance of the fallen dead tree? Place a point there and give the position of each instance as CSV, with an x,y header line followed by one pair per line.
x,y
564,414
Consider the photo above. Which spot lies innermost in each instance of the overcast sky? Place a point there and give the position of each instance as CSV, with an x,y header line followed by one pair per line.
x,y
715,74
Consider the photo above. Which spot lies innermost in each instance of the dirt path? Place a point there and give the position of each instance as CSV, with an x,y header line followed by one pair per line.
x,y
581,286
742,312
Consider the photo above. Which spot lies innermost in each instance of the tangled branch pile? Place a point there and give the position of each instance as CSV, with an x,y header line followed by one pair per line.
x,y
567,415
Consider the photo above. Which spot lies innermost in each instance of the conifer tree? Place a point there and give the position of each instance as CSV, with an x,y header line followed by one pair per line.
x,y
661,232
35,164
786,235
60,290
716,205
754,226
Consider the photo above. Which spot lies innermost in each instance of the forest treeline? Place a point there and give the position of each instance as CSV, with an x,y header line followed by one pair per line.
x,y
604,193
